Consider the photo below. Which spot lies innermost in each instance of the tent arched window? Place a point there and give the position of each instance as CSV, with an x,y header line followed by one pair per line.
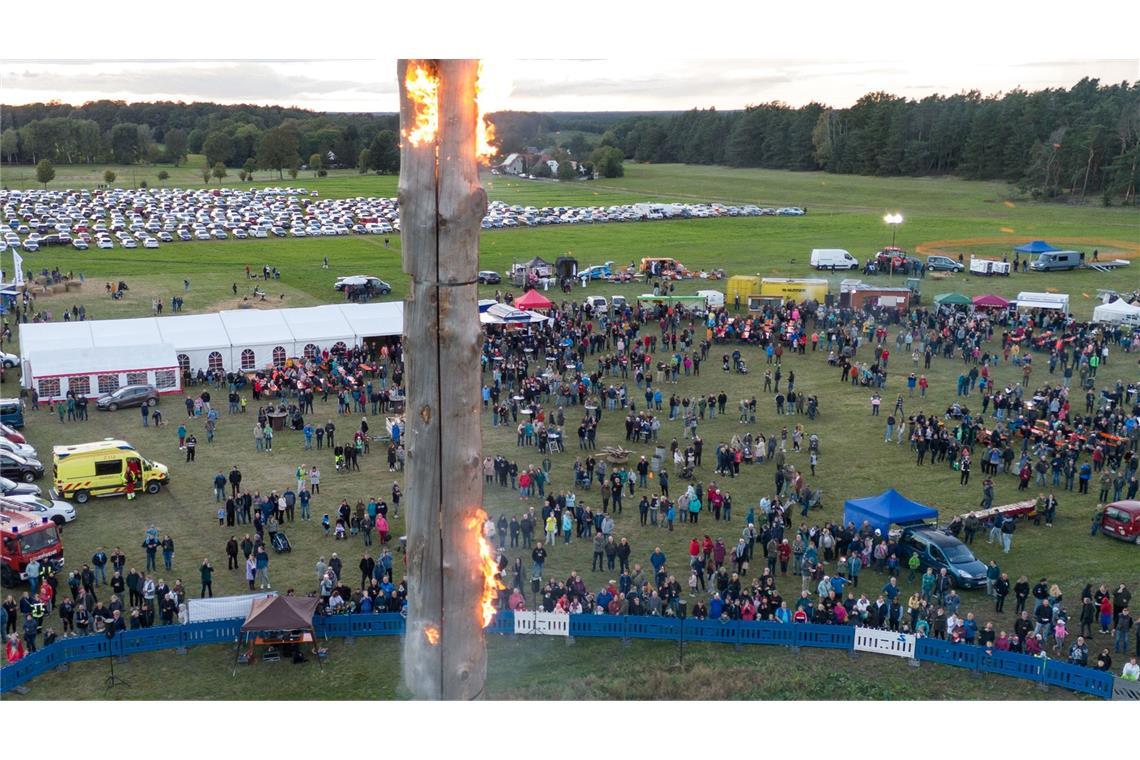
x,y
214,362
184,362
312,352
248,359
339,347
279,356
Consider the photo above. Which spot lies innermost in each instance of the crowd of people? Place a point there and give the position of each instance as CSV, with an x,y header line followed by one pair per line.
x,y
565,376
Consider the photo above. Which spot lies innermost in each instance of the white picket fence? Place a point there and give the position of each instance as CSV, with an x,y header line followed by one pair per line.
x,y
542,623
884,642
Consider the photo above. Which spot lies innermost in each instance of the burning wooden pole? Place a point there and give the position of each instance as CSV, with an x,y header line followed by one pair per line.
x,y
441,208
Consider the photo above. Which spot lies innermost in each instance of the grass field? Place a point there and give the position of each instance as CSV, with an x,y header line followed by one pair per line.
x,y
843,211
537,668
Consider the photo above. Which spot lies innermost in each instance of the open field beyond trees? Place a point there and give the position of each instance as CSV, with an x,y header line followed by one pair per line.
x,y
946,215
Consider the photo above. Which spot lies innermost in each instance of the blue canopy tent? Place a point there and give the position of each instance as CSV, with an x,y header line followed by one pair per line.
x,y
888,507
1036,247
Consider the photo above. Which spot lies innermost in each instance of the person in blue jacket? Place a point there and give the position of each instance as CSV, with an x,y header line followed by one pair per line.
x,y
716,607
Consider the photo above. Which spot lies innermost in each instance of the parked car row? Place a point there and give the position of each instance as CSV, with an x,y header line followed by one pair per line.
x,y
119,218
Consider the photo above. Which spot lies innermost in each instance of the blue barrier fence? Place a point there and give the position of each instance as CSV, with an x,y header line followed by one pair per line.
x,y
1020,666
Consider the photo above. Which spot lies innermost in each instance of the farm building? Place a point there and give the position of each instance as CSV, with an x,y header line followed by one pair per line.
x,y
96,357
512,164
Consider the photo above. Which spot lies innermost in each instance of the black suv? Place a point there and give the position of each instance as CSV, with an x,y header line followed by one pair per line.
x,y
128,395
16,467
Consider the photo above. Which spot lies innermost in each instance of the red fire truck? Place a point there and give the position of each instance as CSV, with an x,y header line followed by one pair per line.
x,y
26,537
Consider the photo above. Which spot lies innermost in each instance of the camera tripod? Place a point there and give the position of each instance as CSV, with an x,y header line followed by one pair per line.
x,y
112,680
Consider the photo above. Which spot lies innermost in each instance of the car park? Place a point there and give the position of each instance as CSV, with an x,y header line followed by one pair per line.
x,y
128,395
217,213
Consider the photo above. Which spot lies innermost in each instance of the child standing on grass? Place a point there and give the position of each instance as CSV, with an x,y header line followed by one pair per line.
x,y
325,524
1059,633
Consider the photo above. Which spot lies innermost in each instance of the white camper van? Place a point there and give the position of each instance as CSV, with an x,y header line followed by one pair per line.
x,y
833,258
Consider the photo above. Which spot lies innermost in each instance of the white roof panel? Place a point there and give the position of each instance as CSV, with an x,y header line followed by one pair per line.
x,y
57,362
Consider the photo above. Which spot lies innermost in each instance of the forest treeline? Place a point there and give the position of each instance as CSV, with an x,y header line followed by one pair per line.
x,y
1080,142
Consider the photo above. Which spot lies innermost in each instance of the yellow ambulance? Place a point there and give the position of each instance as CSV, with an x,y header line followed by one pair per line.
x,y
100,469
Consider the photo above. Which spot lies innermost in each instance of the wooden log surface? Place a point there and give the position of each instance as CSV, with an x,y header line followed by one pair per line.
x,y
441,207
462,204
423,661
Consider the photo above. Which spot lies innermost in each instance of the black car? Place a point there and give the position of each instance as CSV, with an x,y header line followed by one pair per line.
x,y
488,277
15,467
941,550
128,395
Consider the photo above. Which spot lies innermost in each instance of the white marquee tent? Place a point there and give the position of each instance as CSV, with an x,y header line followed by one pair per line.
x,y
1117,312
231,340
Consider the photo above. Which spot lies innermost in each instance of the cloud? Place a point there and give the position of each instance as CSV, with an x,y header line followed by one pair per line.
x,y
261,81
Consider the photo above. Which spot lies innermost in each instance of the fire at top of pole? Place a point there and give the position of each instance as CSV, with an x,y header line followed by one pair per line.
x,y
422,87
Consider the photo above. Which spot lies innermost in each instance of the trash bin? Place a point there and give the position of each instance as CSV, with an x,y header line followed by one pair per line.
x,y
682,609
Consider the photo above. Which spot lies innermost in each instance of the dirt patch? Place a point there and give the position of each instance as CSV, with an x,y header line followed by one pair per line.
x,y
1123,249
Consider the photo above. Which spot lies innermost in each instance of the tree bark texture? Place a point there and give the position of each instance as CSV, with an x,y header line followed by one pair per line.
x,y
441,208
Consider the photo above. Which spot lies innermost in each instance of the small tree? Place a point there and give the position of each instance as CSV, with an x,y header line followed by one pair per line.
x,y
206,175
45,172
365,160
249,166
316,164
541,169
163,176
293,170
219,171
243,175
566,170
143,184
109,177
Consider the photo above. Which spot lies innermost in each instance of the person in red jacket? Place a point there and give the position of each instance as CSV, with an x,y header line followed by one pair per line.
x,y
14,649
694,548
784,552
1105,614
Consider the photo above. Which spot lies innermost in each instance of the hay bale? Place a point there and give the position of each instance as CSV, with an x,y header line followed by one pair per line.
x,y
59,288
71,285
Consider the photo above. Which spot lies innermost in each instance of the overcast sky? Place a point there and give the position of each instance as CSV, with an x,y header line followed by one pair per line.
x,y
539,85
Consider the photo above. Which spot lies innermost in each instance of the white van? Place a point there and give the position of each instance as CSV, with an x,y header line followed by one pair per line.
x,y
598,304
833,258
714,298
1057,260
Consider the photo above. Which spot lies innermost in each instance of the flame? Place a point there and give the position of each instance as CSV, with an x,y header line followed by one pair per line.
x,y
431,633
423,90
422,87
484,129
490,568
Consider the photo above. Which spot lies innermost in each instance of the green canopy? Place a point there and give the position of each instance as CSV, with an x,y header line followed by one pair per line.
x,y
952,299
